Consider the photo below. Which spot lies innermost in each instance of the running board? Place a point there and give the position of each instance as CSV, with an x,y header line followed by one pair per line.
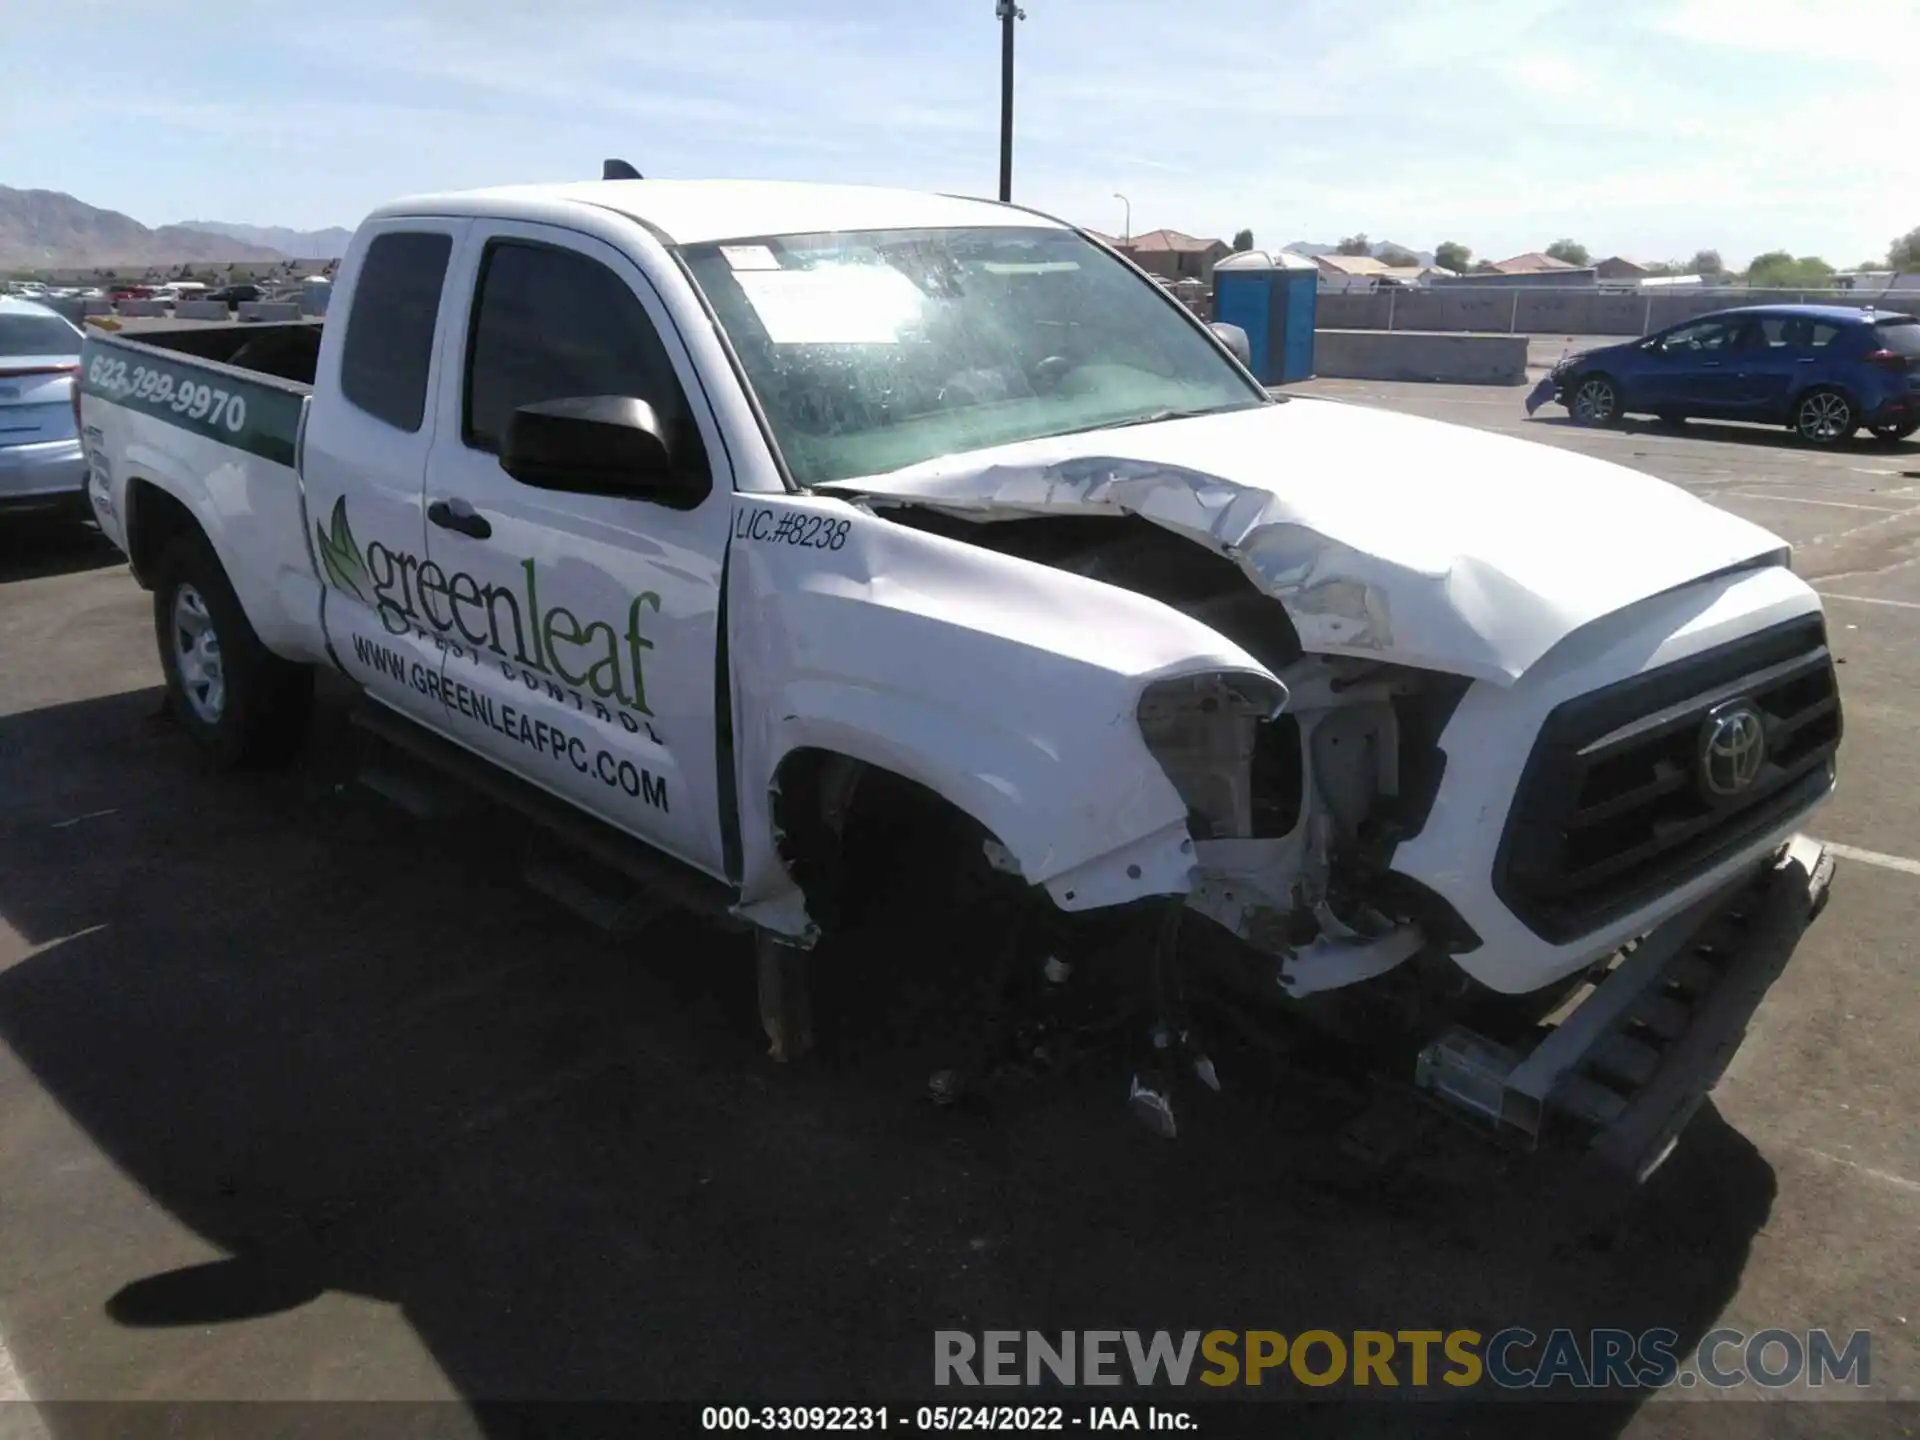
x,y
661,875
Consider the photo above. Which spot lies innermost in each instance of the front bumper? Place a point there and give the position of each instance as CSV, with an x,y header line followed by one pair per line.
x,y
1628,1066
44,473
1547,390
1458,853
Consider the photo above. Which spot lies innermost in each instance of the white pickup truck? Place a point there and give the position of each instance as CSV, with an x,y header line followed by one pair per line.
x,y
713,524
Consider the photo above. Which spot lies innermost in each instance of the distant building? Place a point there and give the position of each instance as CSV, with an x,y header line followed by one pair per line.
x,y
1172,255
1532,263
1349,272
1619,267
1531,271
1410,276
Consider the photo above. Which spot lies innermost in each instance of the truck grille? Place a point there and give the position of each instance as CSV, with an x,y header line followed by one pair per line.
x,y
1617,806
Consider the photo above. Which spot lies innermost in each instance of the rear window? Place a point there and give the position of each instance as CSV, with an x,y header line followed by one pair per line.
x,y
22,335
389,348
1901,336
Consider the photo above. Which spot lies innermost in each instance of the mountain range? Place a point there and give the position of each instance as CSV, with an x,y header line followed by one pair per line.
x,y
1311,248
45,229
328,244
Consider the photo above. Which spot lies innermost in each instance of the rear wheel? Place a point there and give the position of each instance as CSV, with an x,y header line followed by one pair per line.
x,y
1824,417
1893,434
242,704
1595,401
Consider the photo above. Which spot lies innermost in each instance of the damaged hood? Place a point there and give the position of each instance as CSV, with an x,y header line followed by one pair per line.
x,y
1384,535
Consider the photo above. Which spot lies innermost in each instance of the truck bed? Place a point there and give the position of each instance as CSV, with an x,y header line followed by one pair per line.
x,y
187,409
286,351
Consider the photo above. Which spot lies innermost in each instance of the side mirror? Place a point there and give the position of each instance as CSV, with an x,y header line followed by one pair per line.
x,y
1235,339
598,445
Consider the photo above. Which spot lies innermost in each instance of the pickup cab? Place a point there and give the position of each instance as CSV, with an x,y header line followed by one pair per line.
x,y
715,525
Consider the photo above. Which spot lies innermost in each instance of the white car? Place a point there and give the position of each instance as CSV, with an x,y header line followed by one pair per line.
x,y
762,539
41,462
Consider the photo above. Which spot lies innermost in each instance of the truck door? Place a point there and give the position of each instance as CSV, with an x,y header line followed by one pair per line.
x,y
582,628
364,463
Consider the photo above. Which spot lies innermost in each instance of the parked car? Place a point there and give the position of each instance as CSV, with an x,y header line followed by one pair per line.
x,y
1823,370
130,292
231,295
41,464
776,544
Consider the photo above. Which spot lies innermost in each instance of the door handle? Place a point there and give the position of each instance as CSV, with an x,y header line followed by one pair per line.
x,y
1807,360
458,515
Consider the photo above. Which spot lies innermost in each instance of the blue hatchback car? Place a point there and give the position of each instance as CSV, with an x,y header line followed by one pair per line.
x,y
1825,371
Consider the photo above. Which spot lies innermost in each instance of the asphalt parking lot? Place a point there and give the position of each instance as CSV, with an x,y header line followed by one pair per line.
x,y
302,1099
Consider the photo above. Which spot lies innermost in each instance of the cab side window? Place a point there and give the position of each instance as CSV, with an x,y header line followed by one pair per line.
x,y
551,324
1707,335
389,346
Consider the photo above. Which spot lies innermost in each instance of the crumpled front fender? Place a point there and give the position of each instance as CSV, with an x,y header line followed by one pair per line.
x,y
1009,688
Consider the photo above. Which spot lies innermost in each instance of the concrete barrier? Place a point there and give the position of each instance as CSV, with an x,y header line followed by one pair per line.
x,y
1420,355
96,307
148,308
200,310
278,310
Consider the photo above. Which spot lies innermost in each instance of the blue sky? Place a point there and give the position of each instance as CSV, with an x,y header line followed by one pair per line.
x,y
1643,127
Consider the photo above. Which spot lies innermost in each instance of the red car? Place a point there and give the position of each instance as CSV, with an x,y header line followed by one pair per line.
x,y
130,292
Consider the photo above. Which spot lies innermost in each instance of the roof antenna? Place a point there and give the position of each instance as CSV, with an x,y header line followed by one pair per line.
x,y
618,170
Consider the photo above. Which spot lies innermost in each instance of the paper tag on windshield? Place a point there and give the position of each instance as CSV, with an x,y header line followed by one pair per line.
x,y
832,305
750,257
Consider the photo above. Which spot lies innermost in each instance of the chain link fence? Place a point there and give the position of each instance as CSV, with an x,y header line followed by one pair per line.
x,y
1560,310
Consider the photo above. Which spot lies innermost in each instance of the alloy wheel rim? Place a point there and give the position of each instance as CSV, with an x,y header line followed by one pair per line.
x,y
196,656
1594,401
1823,417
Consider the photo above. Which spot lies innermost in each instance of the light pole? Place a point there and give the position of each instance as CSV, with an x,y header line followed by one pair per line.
x,y
1008,12
1127,235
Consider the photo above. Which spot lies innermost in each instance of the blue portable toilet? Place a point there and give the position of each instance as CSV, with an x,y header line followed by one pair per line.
x,y
1271,297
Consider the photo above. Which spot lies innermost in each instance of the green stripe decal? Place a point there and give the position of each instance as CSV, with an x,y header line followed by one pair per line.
x,y
213,404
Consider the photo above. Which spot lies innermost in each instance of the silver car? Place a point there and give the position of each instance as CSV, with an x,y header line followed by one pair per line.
x,y
41,462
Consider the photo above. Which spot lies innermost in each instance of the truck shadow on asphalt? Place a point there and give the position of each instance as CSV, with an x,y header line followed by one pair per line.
x,y
34,546
351,1051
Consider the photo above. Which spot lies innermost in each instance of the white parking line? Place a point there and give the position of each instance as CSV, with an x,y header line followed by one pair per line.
x,y
1869,600
1837,504
19,1417
1874,857
11,1389
1886,1177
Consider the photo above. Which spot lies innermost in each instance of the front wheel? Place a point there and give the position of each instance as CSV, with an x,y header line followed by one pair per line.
x,y
1894,434
1824,417
242,704
1595,402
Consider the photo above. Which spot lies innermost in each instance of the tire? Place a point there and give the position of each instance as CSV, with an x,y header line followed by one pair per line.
x,y
243,706
1595,401
1894,434
1825,417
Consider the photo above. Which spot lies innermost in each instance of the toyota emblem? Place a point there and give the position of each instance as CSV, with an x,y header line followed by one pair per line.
x,y
1733,747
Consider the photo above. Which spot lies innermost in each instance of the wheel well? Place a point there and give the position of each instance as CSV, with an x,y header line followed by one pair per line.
x,y
154,521
1820,385
857,838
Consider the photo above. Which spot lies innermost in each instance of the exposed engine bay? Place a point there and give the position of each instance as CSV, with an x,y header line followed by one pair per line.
x,y
1296,792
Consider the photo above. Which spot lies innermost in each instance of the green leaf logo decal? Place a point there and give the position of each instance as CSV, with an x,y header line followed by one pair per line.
x,y
340,554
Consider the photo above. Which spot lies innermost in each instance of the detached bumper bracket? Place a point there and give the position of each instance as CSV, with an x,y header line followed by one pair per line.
x,y
1635,1059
